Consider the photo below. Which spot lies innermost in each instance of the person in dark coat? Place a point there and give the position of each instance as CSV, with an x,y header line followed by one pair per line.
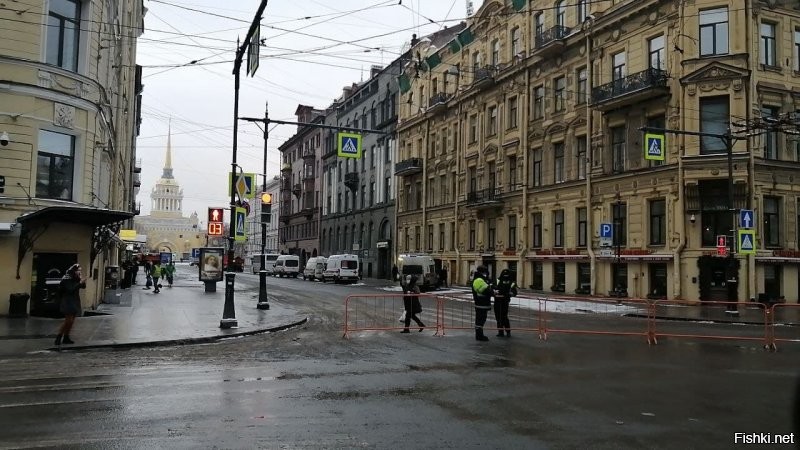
x,y
411,303
134,270
482,296
394,273
69,290
506,288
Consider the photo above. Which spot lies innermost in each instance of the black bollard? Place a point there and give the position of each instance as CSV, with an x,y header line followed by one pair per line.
x,y
263,301
229,313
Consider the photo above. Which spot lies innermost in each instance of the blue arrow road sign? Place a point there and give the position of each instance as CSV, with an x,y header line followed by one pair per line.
x,y
747,218
606,231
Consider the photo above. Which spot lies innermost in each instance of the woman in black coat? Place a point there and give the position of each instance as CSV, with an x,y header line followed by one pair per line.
x,y
69,288
412,304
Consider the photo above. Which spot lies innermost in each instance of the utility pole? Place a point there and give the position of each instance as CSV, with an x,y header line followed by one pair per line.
x,y
729,139
229,313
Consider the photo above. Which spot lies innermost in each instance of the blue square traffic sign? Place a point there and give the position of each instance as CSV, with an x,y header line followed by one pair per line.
x,y
747,218
606,230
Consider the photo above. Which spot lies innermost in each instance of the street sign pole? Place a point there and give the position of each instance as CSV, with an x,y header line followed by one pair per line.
x,y
263,300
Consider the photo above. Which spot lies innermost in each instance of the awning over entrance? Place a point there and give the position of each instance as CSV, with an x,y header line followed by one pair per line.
x,y
105,222
75,214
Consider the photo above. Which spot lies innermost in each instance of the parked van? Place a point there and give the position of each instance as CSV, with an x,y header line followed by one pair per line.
x,y
269,265
341,268
422,266
314,268
287,266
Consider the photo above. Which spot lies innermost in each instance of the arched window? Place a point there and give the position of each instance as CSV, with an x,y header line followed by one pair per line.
x,y
370,232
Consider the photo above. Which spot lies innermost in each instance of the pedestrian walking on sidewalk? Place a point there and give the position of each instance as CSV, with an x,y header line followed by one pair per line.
x,y
169,271
506,288
134,270
148,273
411,303
156,274
69,291
482,296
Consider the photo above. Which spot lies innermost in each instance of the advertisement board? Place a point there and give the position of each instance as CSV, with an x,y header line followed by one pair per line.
x,y
210,263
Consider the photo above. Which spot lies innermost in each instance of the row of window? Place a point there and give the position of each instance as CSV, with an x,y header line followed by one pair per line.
x,y
352,201
346,238
656,276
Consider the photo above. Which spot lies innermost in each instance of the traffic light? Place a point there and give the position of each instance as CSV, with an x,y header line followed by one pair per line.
x,y
722,241
215,219
266,208
2,184
215,215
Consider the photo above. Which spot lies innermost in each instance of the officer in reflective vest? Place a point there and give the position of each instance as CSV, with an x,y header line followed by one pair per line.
x,y
482,295
506,288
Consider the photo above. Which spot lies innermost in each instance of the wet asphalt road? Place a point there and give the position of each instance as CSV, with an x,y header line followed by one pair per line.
x,y
309,388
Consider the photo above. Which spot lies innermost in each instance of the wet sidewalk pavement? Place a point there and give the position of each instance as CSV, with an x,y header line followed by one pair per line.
x,y
182,314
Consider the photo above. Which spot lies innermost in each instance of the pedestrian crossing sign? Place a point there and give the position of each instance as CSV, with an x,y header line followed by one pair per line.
x,y
241,218
349,145
654,147
747,242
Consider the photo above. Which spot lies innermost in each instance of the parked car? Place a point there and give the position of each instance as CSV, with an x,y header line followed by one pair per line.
x,y
340,268
314,268
287,266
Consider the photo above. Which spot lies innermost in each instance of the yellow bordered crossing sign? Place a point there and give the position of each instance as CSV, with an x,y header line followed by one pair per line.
x,y
348,145
654,147
746,242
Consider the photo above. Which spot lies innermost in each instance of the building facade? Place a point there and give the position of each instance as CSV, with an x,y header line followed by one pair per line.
x,y
166,228
299,213
358,200
254,221
520,139
70,108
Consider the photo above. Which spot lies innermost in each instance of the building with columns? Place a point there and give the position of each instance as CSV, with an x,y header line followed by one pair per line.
x,y
166,228
520,139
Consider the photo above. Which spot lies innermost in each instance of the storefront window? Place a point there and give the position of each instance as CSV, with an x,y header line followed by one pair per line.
x,y
559,277
658,280
584,278
537,281
772,281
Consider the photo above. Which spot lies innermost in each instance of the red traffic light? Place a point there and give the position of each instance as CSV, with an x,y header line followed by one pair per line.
x,y
722,241
215,215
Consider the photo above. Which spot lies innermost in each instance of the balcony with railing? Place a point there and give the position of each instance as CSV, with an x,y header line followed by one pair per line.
x,y
483,76
408,167
630,90
551,41
297,189
137,180
309,154
438,102
485,198
137,166
351,180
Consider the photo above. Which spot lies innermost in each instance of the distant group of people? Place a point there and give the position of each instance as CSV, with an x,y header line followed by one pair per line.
x,y
154,272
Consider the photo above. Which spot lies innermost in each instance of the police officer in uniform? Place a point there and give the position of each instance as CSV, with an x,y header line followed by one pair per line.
x,y
506,288
482,295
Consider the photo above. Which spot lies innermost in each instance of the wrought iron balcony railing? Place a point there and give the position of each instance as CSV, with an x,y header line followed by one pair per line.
x,y
408,167
483,196
551,35
436,99
640,81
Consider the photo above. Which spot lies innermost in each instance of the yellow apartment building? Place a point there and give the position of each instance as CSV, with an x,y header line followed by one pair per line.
x,y
520,146
70,94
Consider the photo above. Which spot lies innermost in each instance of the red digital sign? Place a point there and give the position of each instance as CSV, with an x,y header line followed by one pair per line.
x,y
215,229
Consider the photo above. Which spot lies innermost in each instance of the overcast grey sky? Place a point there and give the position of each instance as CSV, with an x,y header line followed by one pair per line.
x,y
313,48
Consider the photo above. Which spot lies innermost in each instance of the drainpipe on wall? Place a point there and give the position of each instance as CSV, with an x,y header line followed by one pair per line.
x,y
456,274
589,158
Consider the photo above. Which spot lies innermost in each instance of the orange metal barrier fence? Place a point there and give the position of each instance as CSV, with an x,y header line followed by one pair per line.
x,y
645,318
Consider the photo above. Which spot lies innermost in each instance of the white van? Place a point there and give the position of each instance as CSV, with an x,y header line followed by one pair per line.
x,y
287,266
269,265
422,266
341,268
314,268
